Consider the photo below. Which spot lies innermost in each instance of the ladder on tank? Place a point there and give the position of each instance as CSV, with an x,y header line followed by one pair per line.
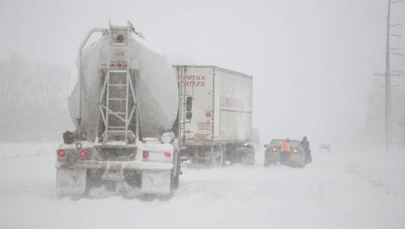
x,y
117,100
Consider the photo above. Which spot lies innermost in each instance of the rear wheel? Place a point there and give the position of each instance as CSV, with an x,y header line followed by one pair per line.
x,y
266,161
176,177
175,181
218,156
248,158
172,184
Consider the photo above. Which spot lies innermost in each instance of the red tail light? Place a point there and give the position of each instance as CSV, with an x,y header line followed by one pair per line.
x,y
145,154
83,154
61,153
168,155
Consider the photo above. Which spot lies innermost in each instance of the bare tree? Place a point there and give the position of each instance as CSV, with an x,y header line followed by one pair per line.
x,y
32,100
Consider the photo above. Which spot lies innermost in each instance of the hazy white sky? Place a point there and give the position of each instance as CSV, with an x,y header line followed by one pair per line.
x,y
311,60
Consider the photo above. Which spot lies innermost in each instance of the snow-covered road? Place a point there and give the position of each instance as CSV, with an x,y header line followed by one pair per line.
x,y
335,191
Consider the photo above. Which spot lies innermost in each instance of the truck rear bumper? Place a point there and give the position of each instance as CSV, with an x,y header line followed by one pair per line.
x,y
72,177
294,159
129,165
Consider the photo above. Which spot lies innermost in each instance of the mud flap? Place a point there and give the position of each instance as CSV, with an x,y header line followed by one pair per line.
x,y
70,181
156,182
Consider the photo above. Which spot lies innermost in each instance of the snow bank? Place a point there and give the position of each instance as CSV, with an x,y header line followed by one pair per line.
x,y
383,170
23,150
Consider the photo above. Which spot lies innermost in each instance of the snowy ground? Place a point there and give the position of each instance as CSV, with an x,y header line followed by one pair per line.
x,y
338,190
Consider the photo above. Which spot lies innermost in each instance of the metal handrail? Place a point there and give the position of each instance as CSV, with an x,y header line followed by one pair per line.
x,y
94,30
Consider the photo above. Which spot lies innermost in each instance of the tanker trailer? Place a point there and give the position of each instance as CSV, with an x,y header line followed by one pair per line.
x,y
124,103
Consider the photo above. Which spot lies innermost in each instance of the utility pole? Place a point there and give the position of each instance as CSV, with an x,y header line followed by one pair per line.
x,y
389,73
388,115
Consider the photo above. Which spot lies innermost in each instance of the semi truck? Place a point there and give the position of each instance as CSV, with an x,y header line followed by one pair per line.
x,y
124,103
215,115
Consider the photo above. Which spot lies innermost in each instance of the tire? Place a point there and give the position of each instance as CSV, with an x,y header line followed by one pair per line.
x,y
172,184
248,158
218,161
176,178
175,182
266,162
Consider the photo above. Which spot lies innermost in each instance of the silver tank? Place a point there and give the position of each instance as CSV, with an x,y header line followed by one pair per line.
x,y
155,86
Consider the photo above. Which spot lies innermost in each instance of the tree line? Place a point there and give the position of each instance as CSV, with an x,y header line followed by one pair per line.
x,y
33,100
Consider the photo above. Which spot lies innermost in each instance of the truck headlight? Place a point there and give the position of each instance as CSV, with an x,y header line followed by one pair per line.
x,y
167,137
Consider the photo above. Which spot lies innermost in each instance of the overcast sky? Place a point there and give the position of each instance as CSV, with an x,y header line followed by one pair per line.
x,y
311,60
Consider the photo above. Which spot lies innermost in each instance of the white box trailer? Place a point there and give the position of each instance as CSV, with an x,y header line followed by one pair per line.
x,y
215,114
